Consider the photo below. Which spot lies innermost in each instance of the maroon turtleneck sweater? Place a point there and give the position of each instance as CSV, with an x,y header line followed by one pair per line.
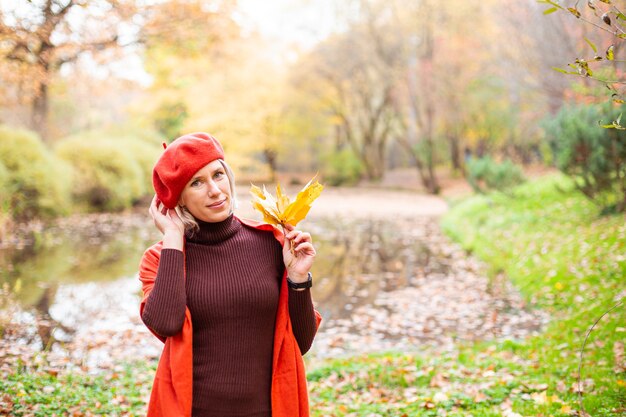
x,y
231,289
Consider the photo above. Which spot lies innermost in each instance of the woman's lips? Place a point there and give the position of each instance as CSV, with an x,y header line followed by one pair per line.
x,y
219,204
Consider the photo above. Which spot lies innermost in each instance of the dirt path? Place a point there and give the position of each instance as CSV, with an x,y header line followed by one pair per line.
x,y
364,202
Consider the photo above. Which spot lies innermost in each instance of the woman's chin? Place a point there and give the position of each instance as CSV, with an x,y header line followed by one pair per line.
x,y
211,215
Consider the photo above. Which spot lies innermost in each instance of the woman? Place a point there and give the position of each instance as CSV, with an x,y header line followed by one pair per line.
x,y
229,297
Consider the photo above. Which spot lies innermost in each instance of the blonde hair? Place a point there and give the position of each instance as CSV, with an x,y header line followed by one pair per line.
x,y
190,222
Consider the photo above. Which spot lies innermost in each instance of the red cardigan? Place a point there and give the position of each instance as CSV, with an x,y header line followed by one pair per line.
x,y
172,388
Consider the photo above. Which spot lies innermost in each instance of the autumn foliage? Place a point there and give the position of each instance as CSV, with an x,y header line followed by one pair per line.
x,y
280,210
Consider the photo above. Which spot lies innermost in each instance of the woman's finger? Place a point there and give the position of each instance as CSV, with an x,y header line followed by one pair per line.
x,y
305,248
303,237
297,236
153,204
293,233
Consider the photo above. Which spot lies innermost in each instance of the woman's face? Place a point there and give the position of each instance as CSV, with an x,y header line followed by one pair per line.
x,y
207,195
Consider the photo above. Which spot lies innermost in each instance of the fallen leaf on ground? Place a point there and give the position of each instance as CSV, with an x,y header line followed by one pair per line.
x,y
440,397
618,356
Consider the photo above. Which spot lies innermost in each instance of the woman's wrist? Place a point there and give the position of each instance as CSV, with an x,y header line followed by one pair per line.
x,y
298,278
300,285
173,240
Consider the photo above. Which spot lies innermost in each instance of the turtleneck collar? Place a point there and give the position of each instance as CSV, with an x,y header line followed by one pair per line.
x,y
212,233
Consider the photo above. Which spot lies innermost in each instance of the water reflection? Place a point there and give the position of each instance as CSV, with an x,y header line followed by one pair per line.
x,y
92,249
379,284
350,253
359,258
356,260
71,256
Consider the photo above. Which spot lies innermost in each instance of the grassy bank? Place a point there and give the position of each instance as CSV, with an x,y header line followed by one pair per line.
x,y
566,259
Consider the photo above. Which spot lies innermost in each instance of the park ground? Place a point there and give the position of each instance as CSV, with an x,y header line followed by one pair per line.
x,y
528,274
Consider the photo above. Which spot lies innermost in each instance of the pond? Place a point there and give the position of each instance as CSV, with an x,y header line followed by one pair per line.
x,y
379,284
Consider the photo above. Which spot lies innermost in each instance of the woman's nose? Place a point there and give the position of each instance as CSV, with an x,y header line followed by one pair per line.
x,y
213,189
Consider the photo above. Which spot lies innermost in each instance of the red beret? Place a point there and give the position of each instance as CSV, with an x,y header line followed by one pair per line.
x,y
180,161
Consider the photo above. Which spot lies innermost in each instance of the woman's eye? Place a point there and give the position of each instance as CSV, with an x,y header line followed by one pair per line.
x,y
195,183
218,174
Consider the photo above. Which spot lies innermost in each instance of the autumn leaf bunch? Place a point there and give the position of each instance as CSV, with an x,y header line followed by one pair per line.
x,y
280,210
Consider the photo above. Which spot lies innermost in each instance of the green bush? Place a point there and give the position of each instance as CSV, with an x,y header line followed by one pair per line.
x,y
594,157
169,119
5,201
484,174
342,168
35,183
5,186
121,133
145,155
111,173
143,145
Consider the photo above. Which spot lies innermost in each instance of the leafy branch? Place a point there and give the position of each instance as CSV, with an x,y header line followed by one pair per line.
x,y
611,20
605,17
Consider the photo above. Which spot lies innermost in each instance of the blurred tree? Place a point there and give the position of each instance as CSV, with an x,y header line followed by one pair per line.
x,y
420,104
462,56
268,134
599,63
169,119
38,37
355,75
194,53
488,122
179,37
526,58
400,71
237,88
446,49
499,90
304,130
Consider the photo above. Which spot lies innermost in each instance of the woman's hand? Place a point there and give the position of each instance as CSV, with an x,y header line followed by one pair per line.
x,y
168,223
298,254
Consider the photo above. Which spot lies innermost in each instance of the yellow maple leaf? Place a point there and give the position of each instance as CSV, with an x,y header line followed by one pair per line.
x,y
280,210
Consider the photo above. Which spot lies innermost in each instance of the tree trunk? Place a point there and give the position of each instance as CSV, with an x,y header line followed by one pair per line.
x,y
433,184
270,157
369,164
426,173
39,110
455,153
374,161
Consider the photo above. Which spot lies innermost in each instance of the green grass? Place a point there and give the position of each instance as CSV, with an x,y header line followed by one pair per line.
x,y
567,259
37,391
397,385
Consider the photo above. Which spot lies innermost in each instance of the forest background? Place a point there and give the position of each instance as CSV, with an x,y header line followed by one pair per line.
x,y
498,94
382,86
